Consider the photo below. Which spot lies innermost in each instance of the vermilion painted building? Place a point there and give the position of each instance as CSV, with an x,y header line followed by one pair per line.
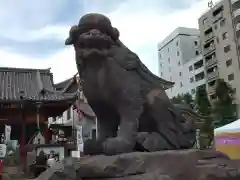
x,y
27,98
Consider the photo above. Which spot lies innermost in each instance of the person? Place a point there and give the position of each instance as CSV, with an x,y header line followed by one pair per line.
x,y
41,164
57,157
51,160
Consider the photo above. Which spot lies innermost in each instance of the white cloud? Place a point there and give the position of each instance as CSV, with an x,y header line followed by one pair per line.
x,y
62,64
139,28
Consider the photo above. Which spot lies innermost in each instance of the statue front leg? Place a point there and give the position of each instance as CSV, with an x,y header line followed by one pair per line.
x,y
107,128
128,129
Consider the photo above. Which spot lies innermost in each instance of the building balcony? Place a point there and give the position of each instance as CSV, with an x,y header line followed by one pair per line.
x,y
217,17
212,75
211,89
233,1
235,101
209,50
237,27
236,13
211,62
208,36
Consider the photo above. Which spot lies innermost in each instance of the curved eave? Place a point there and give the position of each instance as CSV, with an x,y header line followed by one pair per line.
x,y
63,84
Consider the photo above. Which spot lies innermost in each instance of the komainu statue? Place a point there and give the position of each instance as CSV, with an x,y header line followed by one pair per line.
x,y
133,110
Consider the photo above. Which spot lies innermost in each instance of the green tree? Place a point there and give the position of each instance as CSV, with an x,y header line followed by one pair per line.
x,y
202,103
224,110
183,98
177,99
188,99
203,107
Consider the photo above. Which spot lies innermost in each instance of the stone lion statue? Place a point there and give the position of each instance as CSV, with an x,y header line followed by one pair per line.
x,y
133,110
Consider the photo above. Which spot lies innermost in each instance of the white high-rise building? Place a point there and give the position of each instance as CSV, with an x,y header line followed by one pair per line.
x,y
180,60
220,36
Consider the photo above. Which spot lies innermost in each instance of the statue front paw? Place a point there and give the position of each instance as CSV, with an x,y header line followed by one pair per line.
x,y
117,145
92,147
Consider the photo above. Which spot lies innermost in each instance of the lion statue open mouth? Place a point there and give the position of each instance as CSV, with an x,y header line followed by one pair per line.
x,y
132,108
91,36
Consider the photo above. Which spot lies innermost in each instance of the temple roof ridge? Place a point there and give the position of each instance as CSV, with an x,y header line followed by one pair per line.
x,y
36,85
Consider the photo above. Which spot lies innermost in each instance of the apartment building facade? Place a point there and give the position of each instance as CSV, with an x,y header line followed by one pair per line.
x,y
220,31
180,60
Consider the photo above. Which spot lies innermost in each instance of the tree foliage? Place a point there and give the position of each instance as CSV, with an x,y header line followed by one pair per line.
x,y
183,98
217,113
203,107
202,103
224,110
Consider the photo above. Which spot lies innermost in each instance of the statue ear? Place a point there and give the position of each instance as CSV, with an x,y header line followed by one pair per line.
x,y
116,33
73,30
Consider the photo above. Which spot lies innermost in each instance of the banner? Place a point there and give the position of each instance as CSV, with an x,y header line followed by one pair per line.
x,y
3,150
79,138
7,133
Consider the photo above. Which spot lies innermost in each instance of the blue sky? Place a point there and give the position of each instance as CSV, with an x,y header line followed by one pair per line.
x,y
32,33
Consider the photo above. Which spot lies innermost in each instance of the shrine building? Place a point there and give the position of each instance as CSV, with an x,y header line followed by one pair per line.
x,y
28,97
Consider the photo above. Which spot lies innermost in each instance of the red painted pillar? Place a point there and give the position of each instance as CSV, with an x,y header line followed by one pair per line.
x,y
23,151
1,169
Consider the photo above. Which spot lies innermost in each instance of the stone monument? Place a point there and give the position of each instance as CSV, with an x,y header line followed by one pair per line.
x,y
124,93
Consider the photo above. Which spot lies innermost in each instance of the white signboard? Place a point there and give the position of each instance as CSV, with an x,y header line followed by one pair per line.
x,y
3,150
7,133
59,151
79,138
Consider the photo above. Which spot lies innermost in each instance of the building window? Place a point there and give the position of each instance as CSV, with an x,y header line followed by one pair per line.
x,y
190,68
191,80
224,35
54,119
168,49
181,84
234,90
161,73
230,77
169,69
177,53
229,62
217,11
180,73
204,21
217,39
170,78
179,63
160,56
169,59
193,91
227,48
161,65
177,43
215,26
197,53
222,22
238,26
69,113
195,43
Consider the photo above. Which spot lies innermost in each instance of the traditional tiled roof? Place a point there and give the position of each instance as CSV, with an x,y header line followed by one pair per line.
x,y
68,85
30,84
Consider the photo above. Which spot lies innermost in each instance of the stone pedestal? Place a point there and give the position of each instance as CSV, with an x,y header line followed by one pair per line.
x,y
164,165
